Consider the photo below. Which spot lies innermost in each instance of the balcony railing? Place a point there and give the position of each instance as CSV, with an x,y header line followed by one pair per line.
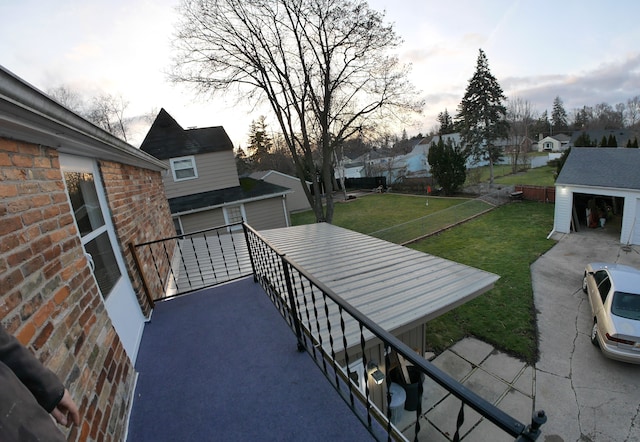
x,y
332,331
182,264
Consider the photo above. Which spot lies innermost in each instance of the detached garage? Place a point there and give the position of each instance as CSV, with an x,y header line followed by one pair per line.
x,y
600,183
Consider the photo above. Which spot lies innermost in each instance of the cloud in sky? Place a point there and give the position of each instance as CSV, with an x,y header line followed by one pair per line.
x,y
536,50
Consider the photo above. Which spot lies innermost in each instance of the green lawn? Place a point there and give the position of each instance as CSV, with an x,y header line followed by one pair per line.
x,y
504,241
371,213
540,176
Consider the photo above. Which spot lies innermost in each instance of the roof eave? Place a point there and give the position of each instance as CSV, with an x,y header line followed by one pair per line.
x,y
27,114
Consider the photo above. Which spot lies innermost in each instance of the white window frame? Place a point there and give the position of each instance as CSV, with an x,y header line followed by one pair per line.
x,y
191,158
227,220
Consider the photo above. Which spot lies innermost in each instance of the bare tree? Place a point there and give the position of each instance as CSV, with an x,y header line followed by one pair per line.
x,y
323,66
633,112
105,110
521,116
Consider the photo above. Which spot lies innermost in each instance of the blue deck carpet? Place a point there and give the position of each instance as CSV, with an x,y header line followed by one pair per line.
x,y
222,365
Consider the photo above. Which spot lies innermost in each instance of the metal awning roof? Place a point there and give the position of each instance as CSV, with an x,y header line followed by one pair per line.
x,y
393,285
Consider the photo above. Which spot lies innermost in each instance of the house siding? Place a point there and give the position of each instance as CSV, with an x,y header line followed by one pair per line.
x,y
266,214
297,200
216,170
202,220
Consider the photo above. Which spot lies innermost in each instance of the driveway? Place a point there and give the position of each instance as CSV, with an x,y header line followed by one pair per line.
x,y
587,397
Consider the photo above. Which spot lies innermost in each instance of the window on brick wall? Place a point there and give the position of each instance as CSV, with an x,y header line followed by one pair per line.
x,y
93,230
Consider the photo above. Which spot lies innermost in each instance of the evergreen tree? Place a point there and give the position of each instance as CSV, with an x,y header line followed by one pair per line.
x,y
633,143
481,115
559,116
259,142
448,165
604,142
446,123
584,140
612,141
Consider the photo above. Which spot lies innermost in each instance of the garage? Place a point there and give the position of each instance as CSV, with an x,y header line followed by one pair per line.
x,y
599,188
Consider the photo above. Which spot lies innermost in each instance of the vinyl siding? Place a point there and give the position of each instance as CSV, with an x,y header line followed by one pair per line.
x,y
266,214
216,170
202,220
296,200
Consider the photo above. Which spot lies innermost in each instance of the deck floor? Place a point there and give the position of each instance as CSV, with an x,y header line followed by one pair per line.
x,y
222,364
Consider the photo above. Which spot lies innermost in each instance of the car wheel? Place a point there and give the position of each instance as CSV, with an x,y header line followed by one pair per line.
x,y
584,282
594,334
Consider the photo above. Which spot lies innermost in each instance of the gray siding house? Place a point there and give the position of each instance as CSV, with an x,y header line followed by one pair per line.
x,y
202,182
595,178
297,200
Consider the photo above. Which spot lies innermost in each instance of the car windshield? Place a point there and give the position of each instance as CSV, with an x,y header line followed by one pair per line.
x,y
626,305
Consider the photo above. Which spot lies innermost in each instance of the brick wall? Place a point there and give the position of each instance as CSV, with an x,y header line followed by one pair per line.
x,y
48,297
140,213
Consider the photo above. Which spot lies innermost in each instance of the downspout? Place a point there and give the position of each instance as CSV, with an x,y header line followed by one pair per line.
x,y
551,233
284,207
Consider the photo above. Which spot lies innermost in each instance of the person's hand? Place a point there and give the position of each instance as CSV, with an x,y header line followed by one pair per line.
x,y
66,412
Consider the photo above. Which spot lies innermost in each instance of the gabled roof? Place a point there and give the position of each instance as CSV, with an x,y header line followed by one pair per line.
x,y
602,167
167,139
249,189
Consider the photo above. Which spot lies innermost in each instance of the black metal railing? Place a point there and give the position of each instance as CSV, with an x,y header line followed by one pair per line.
x,y
182,264
336,334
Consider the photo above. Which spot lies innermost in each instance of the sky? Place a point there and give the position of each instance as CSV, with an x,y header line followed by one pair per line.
x,y
584,51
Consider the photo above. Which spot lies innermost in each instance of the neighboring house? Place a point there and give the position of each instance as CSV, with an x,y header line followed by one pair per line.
x,y
202,184
599,178
296,201
622,136
72,199
554,143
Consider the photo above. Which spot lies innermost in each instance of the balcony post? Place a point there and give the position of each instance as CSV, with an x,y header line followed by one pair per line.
x,y
293,309
246,239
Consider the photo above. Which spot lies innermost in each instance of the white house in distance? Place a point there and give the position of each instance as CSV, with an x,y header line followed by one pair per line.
x,y
600,176
554,143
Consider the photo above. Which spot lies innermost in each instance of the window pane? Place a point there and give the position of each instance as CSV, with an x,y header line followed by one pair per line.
x,y
106,268
185,173
84,201
234,214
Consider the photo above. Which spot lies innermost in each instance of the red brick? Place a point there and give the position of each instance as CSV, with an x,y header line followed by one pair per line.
x,y
32,217
25,335
8,190
8,281
43,313
18,257
4,159
61,295
20,160
43,336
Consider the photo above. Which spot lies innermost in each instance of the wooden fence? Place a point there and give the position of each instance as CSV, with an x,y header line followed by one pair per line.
x,y
542,194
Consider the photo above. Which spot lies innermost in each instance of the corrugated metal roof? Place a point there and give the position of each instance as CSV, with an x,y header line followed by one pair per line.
x,y
393,285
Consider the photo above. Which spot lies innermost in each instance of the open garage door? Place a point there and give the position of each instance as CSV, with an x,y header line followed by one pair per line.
x,y
592,211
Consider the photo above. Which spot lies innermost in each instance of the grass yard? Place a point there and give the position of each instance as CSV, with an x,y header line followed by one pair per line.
x,y
504,241
371,213
539,176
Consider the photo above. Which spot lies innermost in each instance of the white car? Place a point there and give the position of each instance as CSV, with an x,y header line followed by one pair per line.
x,y
614,295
